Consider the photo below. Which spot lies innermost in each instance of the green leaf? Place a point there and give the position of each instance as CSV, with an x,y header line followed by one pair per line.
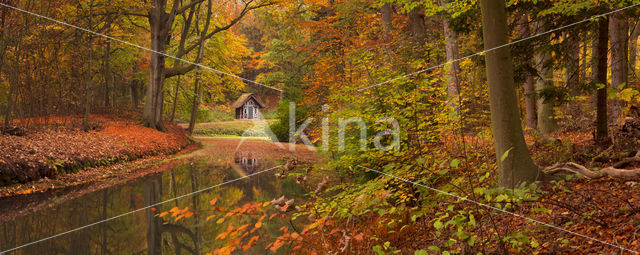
x,y
420,252
505,154
438,225
462,235
378,250
455,162
472,240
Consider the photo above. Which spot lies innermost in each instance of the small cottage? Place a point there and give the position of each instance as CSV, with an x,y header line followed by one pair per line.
x,y
247,107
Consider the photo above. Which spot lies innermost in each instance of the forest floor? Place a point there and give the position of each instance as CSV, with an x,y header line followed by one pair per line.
x,y
62,151
583,210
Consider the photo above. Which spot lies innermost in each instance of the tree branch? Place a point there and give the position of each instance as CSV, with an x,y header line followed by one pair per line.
x,y
188,6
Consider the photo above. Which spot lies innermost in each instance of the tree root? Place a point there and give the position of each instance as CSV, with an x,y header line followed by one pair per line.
x,y
611,171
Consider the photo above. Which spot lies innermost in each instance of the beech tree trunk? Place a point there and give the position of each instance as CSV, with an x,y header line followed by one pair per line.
x,y
528,86
518,166
583,61
618,33
599,76
453,69
159,22
544,65
633,48
385,13
88,84
572,61
15,77
175,99
416,24
107,74
195,102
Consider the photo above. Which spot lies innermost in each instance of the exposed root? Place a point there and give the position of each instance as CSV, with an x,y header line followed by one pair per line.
x,y
572,168
611,171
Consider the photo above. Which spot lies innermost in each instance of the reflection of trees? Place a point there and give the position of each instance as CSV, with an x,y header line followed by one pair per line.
x,y
152,191
129,234
157,227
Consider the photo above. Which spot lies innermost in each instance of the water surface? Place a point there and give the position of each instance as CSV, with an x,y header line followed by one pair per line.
x,y
143,232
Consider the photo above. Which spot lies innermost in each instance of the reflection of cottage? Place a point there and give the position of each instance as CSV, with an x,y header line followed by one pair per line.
x,y
248,161
247,107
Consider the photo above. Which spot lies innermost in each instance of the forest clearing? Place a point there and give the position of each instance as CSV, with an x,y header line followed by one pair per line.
x,y
319,127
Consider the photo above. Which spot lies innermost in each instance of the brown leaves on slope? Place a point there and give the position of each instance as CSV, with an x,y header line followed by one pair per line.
x,y
50,152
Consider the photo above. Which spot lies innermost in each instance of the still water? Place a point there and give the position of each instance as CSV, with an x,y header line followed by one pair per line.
x,y
143,232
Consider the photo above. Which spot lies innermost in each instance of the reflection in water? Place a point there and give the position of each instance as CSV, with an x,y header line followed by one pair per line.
x,y
143,232
248,161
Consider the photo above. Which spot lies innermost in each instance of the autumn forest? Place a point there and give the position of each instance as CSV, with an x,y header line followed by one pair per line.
x,y
319,127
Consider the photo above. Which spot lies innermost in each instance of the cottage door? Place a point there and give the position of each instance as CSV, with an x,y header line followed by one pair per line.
x,y
250,109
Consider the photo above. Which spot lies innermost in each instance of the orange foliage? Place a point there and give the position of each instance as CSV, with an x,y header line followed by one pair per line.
x,y
54,151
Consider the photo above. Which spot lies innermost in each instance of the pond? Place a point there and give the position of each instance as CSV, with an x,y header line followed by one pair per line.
x,y
218,168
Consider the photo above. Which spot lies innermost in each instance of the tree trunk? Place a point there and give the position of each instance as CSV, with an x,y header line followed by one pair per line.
x,y
583,61
528,86
137,89
517,167
599,76
196,93
618,29
416,24
88,86
453,69
633,48
385,13
15,77
544,65
195,103
175,99
572,61
4,40
107,73
154,102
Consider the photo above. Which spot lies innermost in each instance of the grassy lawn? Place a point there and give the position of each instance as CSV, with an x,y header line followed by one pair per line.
x,y
233,128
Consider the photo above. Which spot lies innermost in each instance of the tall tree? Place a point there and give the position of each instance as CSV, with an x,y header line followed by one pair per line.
x,y
528,86
544,83
571,44
161,24
453,69
15,77
88,85
416,24
633,47
505,118
599,77
386,12
618,34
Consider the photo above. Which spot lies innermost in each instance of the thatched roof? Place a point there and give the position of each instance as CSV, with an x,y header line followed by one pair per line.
x,y
244,98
